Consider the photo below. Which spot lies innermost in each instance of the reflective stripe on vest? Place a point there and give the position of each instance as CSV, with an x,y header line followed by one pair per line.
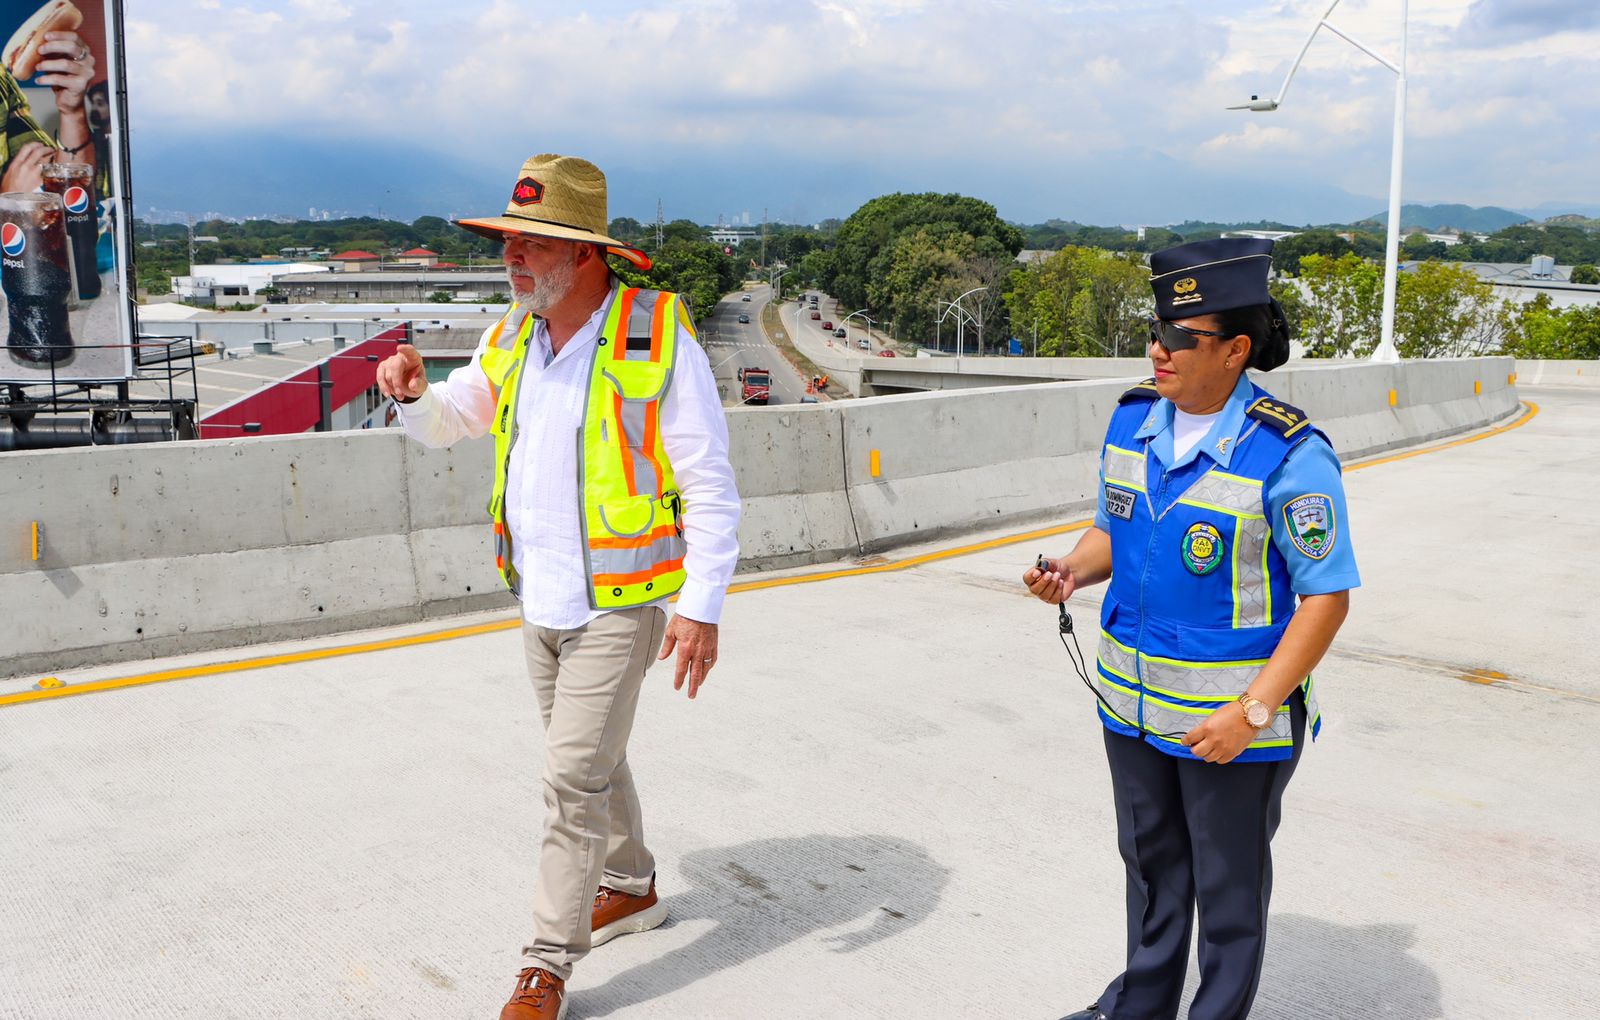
x,y
1124,467
629,508
501,363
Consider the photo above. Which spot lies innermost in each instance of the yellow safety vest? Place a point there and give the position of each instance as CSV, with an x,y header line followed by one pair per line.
x,y
631,511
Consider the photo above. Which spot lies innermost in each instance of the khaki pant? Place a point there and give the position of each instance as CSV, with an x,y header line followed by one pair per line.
x,y
587,681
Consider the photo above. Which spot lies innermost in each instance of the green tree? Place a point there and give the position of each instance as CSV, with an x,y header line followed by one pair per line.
x,y
682,230
626,228
1417,246
1287,253
696,269
440,297
1535,329
1084,302
1292,302
1342,306
925,266
1445,310
866,245
1585,273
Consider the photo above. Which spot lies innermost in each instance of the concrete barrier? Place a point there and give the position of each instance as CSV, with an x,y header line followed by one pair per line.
x,y
1537,372
156,549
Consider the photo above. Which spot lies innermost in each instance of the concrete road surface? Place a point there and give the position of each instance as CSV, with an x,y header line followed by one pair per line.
x,y
889,801
731,345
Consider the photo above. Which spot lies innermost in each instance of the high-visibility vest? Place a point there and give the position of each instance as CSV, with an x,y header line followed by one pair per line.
x,y
629,506
1199,596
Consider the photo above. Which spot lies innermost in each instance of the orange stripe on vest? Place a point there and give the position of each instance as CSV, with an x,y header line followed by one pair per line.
x,y
639,577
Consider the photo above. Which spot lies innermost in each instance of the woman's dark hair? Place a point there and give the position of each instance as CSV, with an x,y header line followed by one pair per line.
x,y
1268,330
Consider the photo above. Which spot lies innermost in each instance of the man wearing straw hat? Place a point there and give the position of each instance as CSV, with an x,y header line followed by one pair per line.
x,y
612,492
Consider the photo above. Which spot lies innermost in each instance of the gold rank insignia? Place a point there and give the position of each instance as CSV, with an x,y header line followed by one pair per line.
x,y
1143,391
1285,419
1187,291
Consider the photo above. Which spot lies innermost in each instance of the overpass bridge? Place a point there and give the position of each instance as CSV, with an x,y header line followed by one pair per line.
x,y
273,781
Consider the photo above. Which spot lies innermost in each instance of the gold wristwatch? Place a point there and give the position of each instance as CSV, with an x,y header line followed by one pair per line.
x,y
1256,712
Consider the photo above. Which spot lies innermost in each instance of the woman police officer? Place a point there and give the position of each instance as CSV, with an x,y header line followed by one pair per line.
x,y
1219,507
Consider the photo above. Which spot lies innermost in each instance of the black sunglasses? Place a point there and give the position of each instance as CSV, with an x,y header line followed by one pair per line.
x,y
1175,337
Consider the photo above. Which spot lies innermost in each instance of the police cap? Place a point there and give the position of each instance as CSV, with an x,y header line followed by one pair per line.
x,y
1202,277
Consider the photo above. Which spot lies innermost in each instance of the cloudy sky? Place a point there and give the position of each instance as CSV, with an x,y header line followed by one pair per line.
x,y
1104,111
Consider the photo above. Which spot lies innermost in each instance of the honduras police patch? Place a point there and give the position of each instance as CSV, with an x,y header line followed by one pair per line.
x,y
1202,549
1311,524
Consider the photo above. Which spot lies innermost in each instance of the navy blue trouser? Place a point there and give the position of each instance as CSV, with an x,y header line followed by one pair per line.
x,y
1193,832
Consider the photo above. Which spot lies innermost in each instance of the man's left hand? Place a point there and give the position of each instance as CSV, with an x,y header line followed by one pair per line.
x,y
67,66
696,643
1222,737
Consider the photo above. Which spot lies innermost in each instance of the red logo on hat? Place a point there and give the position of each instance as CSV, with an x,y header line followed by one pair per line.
x,y
527,192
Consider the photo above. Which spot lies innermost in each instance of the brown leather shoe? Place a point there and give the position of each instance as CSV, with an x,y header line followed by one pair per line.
x,y
617,913
540,995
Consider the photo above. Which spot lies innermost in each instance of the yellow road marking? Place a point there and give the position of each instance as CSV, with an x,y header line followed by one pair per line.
x,y
887,566
259,662
1527,416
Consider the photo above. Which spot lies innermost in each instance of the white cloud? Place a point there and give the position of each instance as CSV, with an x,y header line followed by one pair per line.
x,y
921,89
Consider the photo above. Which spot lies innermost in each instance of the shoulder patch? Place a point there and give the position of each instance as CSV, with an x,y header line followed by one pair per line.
x,y
1311,523
1144,391
1284,419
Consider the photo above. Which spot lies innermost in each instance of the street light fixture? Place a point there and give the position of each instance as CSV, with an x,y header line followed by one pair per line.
x,y
945,308
845,322
1385,350
961,319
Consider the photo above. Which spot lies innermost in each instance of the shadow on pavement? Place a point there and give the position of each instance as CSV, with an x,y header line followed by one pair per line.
x,y
768,893
1315,968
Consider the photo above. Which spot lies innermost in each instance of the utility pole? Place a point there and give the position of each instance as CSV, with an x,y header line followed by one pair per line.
x,y
660,225
763,237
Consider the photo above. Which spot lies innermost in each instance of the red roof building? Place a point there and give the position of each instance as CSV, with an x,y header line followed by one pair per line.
x,y
355,260
418,257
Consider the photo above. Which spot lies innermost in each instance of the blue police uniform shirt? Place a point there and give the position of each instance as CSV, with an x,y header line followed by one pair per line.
x,y
1311,468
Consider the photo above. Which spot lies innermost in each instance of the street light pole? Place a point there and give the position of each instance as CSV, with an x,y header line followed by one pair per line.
x,y
1386,350
961,320
846,322
962,315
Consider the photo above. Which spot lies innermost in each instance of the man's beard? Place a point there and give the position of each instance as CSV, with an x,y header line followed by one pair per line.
x,y
543,292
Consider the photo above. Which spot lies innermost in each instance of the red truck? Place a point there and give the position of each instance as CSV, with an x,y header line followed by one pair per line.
x,y
757,385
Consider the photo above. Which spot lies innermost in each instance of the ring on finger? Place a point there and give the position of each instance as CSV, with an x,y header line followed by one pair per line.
x,y
83,51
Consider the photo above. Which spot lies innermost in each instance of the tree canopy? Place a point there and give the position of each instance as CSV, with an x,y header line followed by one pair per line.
x,y
899,255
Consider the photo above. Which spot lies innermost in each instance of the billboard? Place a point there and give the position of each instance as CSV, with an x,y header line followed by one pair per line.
x,y
65,275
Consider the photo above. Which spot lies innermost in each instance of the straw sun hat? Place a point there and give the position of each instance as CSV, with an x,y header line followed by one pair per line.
x,y
562,197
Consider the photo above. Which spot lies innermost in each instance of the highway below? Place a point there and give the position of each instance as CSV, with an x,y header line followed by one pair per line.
x,y
810,336
732,345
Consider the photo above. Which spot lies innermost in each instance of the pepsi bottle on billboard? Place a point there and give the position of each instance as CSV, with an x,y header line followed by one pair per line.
x,y
74,182
36,277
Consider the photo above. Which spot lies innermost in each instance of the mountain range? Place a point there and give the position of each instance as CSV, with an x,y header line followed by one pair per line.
x,y
272,175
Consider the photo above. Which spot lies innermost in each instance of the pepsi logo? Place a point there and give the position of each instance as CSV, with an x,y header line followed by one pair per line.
x,y
12,240
76,199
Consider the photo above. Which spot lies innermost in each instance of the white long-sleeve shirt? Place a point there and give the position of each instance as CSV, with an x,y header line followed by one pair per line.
x,y
542,497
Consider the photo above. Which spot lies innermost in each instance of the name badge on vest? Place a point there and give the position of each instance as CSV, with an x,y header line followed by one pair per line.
x,y
1119,502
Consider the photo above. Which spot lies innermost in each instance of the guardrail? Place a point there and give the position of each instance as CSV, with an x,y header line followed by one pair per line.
x,y
1536,372
154,550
